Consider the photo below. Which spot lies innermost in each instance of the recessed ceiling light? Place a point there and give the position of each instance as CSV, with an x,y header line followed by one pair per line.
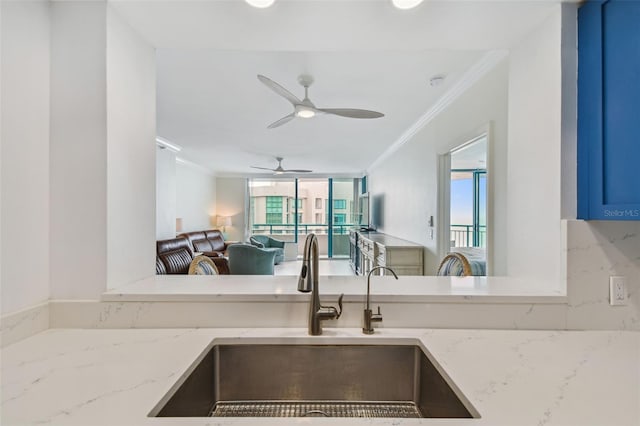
x,y
260,3
406,4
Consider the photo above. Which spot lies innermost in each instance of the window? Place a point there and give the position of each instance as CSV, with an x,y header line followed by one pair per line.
x,y
468,208
274,210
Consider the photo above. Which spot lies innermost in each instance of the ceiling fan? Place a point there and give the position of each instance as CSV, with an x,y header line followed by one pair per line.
x,y
305,108
280,171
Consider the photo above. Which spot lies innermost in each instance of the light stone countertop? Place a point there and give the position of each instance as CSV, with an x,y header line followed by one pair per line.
x,y
407,289
388,240
513,378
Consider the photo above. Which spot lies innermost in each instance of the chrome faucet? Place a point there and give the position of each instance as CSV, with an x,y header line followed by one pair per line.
x,y
308,281
369,316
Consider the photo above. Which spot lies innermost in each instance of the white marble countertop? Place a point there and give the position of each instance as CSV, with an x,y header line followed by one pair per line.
x,y
409,289
513,378
388,240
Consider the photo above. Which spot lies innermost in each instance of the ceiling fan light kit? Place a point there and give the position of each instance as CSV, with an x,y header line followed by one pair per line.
x,y
303,112
305,108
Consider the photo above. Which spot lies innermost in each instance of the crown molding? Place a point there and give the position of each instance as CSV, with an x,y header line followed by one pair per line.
x,y
485,64
165,144
195,166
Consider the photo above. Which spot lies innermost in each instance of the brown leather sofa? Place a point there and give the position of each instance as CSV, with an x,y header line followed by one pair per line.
x,y
210,243
173,256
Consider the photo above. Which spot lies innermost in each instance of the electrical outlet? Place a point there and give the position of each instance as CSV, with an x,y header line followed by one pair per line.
x,y
617,291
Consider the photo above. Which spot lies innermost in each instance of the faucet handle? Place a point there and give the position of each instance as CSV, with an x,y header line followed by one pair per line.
x,y
377,317
340,305
331,312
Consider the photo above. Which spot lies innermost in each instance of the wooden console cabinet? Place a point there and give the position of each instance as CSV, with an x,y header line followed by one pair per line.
x,y
371,249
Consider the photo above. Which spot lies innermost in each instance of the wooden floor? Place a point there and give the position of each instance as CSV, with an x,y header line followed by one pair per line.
x,y
325,266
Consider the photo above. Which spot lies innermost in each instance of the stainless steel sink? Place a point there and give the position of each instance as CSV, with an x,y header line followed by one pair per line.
x,y
292,380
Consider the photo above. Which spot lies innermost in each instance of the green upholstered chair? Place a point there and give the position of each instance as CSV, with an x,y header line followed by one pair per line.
x,y
247,259
270,244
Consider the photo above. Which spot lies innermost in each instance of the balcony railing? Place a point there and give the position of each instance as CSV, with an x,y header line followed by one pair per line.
x,y
303,228
286,232
463,236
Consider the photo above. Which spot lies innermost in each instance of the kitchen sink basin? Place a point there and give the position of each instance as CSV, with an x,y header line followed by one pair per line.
x,y
302,380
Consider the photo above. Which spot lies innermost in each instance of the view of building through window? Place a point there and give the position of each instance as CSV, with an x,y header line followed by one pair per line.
x,y
322,206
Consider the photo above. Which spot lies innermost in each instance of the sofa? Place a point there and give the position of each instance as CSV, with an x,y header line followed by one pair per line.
x,y
269,244
210,243
173,256
247,259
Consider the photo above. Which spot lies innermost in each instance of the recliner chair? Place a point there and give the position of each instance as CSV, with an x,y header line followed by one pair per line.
x,y
247,259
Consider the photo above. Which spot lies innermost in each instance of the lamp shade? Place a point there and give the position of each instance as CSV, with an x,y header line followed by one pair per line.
x,y
223,221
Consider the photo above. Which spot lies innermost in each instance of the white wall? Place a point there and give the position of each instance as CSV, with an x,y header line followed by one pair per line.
x,y
183,190
195,197
78,178
165,194
534,154
131,129
25,154
230,201
408,180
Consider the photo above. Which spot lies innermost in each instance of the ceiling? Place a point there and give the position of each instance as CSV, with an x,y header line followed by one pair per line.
x,y
362,54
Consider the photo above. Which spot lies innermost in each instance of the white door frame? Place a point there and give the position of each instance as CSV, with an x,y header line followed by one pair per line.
x,y
444,193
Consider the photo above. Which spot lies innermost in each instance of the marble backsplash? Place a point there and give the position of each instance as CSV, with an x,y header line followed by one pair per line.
x,y
597,250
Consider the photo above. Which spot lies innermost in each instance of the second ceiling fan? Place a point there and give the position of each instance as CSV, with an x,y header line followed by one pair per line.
x,y
280,170
305,108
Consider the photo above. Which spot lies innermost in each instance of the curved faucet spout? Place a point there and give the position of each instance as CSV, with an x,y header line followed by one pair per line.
x,y
308,282
369,316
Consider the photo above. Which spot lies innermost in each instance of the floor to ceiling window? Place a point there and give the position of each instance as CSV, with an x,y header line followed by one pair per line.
x,y
468,208
290,209
272,207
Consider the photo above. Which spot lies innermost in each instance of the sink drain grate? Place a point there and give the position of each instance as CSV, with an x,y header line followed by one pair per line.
x,y
314,409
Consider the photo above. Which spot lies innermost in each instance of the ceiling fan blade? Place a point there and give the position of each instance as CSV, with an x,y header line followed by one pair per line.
x,y
279,90
297,171
352,113
261,168
282,121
